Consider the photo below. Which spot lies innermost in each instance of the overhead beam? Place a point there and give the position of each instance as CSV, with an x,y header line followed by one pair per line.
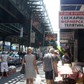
x,y
10,28
4,30
14,13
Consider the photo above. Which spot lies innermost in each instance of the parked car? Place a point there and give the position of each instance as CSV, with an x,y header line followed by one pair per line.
x,y
14,59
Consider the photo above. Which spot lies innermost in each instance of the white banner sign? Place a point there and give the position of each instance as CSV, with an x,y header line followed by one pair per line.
x,y
71,20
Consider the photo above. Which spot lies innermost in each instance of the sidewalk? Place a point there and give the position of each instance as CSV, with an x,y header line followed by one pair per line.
x,y
18,78
40,79
15,78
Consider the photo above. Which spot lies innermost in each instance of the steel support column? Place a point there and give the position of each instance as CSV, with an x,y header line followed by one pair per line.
x,y
30,27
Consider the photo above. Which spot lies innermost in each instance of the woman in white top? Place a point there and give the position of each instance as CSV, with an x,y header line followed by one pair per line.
x,y
30,66
4,64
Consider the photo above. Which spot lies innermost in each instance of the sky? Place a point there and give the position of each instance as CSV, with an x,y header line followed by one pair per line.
x,y
53,8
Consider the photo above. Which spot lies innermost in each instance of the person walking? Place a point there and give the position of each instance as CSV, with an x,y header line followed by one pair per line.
x,y
4,63
30,66
55,60
66,59
48,66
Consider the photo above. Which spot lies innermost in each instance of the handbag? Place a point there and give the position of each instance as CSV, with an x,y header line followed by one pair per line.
x,y
22,71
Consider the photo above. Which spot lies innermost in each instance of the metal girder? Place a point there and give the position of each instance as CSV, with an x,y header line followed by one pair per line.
x,y
37,12
18,28
5,25
22,7
35,1
35,7
30,5
40,15
5,31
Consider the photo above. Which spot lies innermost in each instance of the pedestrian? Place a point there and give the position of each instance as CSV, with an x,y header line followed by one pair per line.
x,y
30,66
66,68
66,59
55,61
4,63
48,66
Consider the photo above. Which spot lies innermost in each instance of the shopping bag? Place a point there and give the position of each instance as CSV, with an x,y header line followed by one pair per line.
x,y
22,71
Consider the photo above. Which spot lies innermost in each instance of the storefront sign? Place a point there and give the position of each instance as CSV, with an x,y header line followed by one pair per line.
x,y
71,20
66,35
50,37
